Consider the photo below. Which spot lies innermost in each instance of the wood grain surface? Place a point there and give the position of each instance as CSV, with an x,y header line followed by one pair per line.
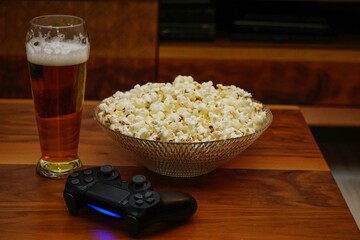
x,y
279,188
232,204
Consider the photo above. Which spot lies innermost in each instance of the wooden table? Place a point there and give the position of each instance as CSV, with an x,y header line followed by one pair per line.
x,y
279,188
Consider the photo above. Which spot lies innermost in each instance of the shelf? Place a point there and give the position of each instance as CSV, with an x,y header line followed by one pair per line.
x,y
316,116
257,51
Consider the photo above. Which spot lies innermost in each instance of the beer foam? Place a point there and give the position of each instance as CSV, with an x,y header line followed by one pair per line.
x,y
56,52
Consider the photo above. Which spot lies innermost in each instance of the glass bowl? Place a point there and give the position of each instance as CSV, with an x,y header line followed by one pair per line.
x,y
183,159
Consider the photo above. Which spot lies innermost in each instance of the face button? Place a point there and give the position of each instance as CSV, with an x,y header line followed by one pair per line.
x,y
75,181
74,175
88,172
89,179
139,202
138,196
148,194
150,200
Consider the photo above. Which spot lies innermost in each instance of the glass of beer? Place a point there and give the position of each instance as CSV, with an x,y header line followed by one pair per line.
x,y
57,49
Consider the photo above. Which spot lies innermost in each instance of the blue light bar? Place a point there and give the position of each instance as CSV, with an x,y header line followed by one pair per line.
x,y
104,211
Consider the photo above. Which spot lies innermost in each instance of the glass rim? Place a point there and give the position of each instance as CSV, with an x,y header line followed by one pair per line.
x,y
266,124
81,21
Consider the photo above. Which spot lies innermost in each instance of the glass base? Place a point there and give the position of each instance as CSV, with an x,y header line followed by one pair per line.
x,y
57,169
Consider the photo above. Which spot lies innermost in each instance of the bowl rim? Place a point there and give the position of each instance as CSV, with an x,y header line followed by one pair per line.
x,y
265,126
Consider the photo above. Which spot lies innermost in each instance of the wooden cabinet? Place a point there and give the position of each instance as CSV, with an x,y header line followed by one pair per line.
x,y
284,52
327,75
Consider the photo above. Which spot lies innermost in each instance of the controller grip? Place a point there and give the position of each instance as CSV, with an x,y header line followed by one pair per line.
x,y
173,207
176,206
71,203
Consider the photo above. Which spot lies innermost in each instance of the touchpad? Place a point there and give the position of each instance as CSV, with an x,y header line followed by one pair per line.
x,y
108,193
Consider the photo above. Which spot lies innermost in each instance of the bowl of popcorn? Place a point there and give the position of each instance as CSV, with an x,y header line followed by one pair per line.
x,y
183,128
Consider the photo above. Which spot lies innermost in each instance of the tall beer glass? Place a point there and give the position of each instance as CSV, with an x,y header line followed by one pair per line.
x,y
57,49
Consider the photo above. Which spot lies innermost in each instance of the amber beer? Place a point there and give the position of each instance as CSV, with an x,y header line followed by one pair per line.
x,y
58,75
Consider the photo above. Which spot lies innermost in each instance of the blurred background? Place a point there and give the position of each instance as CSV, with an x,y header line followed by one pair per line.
x,y
303,52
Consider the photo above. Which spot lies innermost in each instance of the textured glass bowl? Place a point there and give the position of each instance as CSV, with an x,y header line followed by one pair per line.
x,y
184,159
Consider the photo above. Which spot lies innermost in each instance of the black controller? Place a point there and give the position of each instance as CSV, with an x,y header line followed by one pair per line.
x,y
102,189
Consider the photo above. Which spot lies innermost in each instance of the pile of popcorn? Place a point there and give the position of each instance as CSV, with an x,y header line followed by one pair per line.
x,y
182,111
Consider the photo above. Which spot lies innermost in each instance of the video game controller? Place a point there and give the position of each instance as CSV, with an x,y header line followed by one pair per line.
x,y
102,189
